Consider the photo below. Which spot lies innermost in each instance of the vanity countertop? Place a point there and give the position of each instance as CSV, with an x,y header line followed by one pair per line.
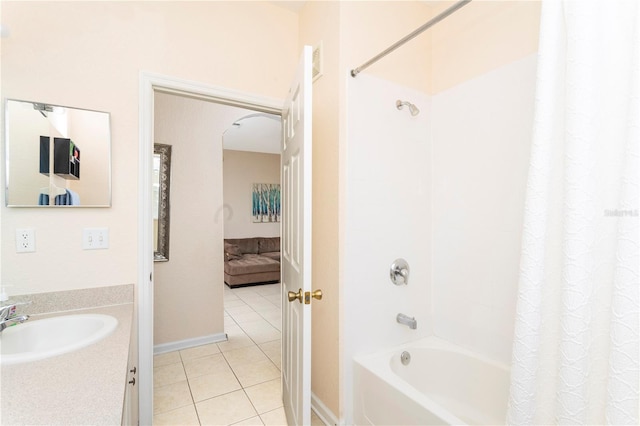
x,y
86,386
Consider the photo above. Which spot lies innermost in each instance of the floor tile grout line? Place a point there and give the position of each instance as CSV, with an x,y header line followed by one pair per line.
x,y
242,387
258,345
261,350
225,393
252,404
220,351
193,400
174,409
236,376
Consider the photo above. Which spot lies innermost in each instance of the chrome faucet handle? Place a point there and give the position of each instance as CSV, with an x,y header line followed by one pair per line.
x,y
16,319
8,322
13,305
399,272
8,310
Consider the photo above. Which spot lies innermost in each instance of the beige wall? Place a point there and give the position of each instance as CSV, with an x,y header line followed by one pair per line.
x,y
89,55
319,22
480,37
369,27
241,170
24,134
189,286
91,131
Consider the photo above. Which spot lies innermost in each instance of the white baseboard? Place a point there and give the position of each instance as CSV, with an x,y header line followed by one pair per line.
x,y
189,343
326,415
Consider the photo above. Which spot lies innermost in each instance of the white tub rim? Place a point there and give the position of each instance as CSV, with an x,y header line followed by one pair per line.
x,y
371,362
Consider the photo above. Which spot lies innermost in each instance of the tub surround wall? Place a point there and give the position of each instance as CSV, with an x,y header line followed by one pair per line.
x,y
388,216
366,28
474,131
481,145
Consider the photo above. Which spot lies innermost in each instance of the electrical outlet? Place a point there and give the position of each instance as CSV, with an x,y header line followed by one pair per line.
x,y
25,240
95,238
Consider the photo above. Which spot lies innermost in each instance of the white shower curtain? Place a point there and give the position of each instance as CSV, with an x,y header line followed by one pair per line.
x,y
576,350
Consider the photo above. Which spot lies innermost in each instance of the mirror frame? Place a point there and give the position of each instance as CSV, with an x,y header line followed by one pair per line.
x,y
164,210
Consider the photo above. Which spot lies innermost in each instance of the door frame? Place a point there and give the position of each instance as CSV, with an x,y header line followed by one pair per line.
x,y
149,84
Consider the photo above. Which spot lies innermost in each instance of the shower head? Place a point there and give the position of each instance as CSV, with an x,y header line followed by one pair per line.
x,y
412,108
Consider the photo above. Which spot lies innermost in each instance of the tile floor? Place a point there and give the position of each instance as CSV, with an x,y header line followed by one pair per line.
x,y
236,382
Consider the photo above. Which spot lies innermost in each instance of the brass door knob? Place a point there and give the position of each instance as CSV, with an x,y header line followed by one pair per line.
x,y
317,294
293,296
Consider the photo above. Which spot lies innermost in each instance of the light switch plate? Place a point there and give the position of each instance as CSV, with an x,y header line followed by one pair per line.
x,y
95,238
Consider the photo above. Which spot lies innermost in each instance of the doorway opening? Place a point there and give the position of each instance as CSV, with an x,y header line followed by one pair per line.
x,y
150,85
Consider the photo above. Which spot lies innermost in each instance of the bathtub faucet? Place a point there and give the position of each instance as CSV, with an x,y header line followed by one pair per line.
x,y
407,320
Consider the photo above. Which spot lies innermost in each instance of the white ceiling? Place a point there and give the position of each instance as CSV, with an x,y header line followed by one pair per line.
x,y
254,131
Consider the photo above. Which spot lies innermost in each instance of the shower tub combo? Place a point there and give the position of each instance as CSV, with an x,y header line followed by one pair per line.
x,y
429,382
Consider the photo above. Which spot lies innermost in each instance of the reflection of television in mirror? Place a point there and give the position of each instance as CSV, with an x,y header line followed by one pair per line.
x,y
66,157
44,155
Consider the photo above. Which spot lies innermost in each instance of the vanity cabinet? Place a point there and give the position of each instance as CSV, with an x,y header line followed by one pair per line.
x,y
130,409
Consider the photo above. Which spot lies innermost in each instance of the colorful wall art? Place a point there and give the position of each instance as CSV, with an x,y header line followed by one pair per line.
x,y
266,202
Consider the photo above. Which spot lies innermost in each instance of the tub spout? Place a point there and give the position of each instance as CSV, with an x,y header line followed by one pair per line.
x,y
407,320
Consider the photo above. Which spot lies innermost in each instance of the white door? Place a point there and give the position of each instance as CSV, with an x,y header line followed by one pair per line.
x,y
296,246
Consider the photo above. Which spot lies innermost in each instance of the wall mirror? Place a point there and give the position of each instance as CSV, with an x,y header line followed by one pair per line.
x,y
160,202
56,156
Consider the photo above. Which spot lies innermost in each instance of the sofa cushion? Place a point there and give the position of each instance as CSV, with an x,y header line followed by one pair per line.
x,y
249,279
246,245
275,255
251,264
269,245
231,251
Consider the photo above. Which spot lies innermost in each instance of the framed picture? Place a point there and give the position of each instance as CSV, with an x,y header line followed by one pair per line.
x,y
266,202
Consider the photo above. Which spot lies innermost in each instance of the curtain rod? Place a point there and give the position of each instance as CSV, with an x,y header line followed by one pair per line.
x,y
418,31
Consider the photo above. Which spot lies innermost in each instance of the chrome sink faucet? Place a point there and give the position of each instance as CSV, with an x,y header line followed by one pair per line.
x,y
407,320
8,316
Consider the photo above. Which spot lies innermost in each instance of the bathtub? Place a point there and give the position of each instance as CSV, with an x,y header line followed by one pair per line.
x,y
442,384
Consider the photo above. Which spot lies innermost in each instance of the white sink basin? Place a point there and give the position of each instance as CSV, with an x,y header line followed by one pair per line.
x,y
40,339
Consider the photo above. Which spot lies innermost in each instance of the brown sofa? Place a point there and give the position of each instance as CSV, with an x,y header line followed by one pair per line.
x,y
249,261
